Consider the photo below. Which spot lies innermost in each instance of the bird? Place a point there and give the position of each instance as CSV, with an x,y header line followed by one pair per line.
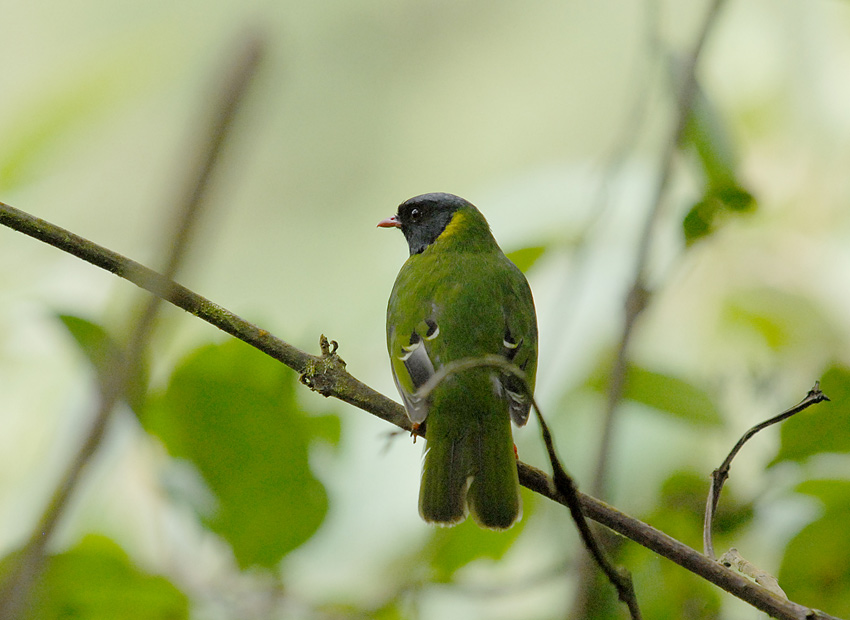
x,y
458,297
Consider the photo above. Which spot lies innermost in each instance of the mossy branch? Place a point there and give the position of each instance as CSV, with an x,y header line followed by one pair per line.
x,y
326,373
18,584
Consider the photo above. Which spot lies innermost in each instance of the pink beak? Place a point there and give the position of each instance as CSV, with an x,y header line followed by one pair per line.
x,y
390,222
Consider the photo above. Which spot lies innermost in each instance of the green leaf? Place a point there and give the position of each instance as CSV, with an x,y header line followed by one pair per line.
x,y
706,215
680,508
451,548
662,392
97,581
822,428
835,494
707,132
664,589
781,320
102,351
525,258
699,221
815,570
232,412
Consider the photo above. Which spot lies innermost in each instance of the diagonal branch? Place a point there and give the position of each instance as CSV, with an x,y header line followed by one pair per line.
x,y
18,584
639,294
562,481
326,374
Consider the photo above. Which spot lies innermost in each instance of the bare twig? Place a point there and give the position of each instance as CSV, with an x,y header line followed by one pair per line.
x,y
719,475
565,485
16,588
563,482
327,375
639,294
675,551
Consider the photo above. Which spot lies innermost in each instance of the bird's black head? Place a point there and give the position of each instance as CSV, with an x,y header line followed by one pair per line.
x,y
423,218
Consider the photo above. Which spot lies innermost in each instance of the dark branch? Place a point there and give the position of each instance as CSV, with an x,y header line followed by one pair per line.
x,y
18,585
639,294
719,475
563,482
326,374
675,551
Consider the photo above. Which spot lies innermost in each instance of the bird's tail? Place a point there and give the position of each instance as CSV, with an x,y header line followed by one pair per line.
x,y
493,496
475,468
442,492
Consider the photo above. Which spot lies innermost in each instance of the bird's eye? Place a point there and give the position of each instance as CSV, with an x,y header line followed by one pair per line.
x,y
414,214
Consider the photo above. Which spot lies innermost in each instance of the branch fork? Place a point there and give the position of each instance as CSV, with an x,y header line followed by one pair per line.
x,y
322,374
348,389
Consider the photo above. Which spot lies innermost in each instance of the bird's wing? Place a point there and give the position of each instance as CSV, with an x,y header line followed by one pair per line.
x,y
519,343
413,365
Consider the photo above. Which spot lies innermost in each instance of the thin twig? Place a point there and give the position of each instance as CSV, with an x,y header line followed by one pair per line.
x,y
17,587
639,294
719,475
675,551
565,485
563,482
327,375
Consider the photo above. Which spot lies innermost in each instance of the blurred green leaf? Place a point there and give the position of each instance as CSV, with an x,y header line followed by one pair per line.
x,y
40,128
735,199
706,215
391,609
232,412
661,392
452,548
699,221
815,570
525,258
835,494
667,591
664,589
822,428
681,507
782,320
708,133
97,581
102,350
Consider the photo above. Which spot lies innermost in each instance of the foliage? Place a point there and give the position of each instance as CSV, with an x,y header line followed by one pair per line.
x,y
663,393
816,567
749,224
232,413
812,433
96,580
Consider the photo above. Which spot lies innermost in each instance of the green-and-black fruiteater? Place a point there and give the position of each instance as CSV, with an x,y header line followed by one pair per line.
x,y
458,297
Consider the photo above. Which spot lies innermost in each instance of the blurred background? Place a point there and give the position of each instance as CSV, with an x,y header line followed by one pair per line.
x,y
265,500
